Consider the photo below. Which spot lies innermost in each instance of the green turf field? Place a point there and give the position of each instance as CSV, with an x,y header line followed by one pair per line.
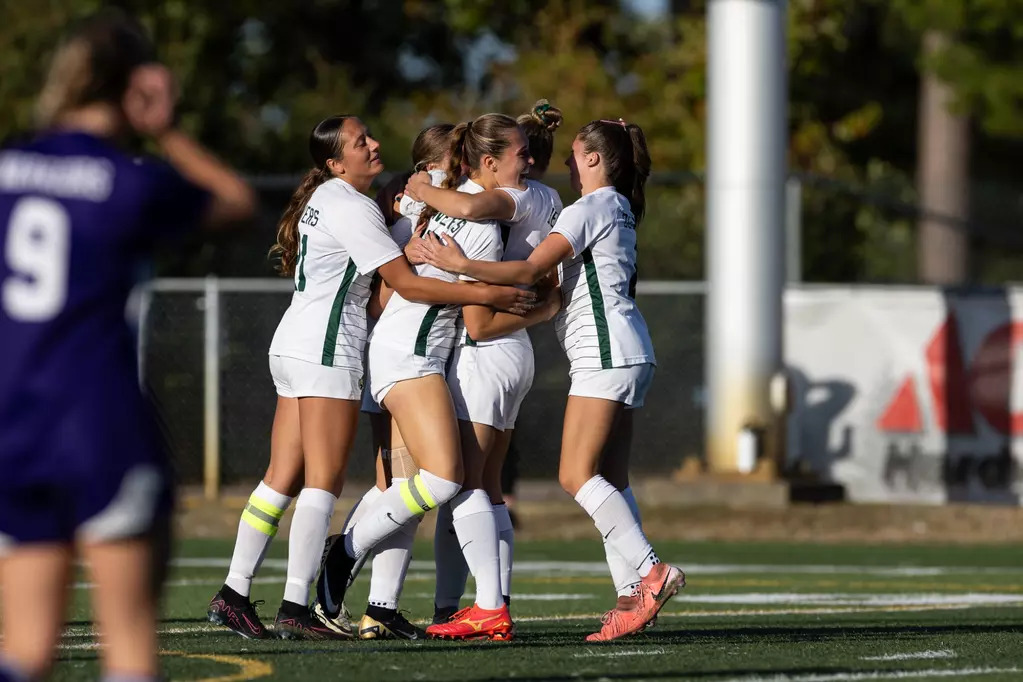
x,y
751,613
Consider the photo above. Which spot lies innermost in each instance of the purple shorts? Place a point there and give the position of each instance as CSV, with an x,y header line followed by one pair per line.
x,y
91,468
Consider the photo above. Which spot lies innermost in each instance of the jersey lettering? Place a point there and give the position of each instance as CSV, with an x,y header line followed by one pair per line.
x,y
310,216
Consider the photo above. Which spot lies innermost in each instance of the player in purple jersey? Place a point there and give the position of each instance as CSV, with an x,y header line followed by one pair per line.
x,y
80,452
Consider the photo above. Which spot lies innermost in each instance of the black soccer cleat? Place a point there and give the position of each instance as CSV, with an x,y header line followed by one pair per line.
x,y
296,621
332,582
444,614
237,613
387,624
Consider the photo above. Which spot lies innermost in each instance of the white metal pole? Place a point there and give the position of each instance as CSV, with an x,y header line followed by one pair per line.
x,y
211,388
746,152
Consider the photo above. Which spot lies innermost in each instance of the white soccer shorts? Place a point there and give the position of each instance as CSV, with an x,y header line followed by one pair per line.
x,y
627,385
488,383
296,378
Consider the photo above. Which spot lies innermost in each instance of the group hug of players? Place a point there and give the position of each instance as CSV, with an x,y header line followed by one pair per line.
x,y
417,312
412,309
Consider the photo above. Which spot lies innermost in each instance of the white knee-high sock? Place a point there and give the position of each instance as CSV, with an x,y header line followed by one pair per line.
x,y
452,569
390,564
357,512
613,518
473,518
624,576
305,544
398,505
506,546
256,529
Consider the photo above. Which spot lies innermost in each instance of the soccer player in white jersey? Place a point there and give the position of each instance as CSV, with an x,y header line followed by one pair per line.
x,y
382,620
490,380
331,239
408,353
607,342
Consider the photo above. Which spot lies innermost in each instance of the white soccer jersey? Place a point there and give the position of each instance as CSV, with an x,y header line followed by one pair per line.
x,y
412,209
429,330
600,326
536,210
342,241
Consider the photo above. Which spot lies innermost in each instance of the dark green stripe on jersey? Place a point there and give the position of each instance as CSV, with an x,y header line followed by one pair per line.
x,y
334,321
301,263
424,329
599,316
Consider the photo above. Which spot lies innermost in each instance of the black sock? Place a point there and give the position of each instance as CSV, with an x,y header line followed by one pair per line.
x,y
291,609
507,600
379,612
232,597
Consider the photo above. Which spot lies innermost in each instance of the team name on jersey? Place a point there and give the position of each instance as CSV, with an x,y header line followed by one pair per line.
x,y
627,219
553,218
453,225
310,216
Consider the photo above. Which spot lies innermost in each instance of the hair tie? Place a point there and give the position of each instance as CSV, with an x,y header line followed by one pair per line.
x,y
620,122
541,109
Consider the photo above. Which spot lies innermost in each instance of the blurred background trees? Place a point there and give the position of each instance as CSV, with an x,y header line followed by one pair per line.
x,y
906,116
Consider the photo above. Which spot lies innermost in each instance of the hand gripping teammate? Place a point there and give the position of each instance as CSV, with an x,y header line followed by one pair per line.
x,y
489,379
382,620
80,449
608,346
408,351
331,239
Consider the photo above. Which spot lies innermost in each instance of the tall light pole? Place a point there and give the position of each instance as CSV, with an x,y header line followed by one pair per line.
x,y
746,172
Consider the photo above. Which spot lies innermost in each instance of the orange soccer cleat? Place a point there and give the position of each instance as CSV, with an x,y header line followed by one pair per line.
x,y
475,623
633,614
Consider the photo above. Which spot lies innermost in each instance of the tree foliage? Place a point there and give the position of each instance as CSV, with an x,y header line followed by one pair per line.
x,y
255,76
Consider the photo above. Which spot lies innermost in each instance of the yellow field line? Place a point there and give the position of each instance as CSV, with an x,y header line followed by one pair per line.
x,y
248,669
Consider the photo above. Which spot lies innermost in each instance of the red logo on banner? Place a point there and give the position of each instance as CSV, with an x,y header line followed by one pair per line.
x,y
957,391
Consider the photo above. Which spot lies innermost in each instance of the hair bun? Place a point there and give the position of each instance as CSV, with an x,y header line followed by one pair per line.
x,y
546,115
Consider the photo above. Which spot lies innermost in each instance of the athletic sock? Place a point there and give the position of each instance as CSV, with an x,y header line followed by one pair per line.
x,y
390,564
357,512
613,518
305,544
397,506
256,528
473,518
452,569
361,507
506,546
380,612
624,576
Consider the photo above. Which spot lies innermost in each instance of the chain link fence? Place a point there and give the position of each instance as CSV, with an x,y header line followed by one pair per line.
x,y
204,359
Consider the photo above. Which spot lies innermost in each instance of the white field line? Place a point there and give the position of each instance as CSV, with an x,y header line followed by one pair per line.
x,y
615,654
80,632
600,568
912,656
855,598
875,675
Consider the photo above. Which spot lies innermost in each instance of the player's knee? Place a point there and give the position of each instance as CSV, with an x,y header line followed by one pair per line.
x,y
571,481
435,489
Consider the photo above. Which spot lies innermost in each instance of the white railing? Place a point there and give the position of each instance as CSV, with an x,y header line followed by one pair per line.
x,y
209,291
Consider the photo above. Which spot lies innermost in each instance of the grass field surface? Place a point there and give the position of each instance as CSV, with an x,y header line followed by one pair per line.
x,y
752,612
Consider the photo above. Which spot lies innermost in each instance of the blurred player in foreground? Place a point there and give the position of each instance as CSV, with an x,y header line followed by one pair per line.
x,y
79,446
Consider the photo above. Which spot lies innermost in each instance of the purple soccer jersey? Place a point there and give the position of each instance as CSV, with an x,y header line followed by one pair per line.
x,y
76,216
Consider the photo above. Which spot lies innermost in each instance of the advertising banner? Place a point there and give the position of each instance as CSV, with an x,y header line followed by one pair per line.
x,y
908,394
